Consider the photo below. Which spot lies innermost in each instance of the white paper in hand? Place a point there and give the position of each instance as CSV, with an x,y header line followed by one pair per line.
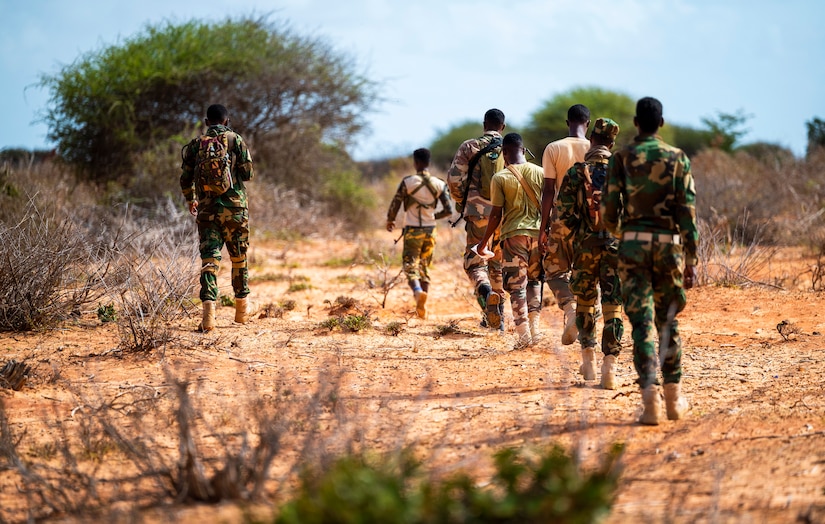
x,y
484,252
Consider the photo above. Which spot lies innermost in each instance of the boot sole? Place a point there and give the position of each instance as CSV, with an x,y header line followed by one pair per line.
x,y
493,316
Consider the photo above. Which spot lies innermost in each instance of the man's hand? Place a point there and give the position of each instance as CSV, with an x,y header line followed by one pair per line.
x,y
390,226
543,242
690,276
193,208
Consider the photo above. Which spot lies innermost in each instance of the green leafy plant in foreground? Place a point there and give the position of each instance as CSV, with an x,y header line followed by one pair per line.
x,y
548,486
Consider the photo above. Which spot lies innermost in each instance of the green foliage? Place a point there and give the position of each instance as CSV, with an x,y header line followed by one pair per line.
x,y
394,328
688,139
816,134
283,90
446,142
726,129
348,197
106,313
226,301
548,122
527,488
356,323
298,286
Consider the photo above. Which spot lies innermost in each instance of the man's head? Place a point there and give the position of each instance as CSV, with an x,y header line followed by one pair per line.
x,y
578,114
604,132
494,120
648,115
421,158
512,147
216,114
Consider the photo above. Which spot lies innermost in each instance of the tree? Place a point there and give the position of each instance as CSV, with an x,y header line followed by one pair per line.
x,y
286,94
726,129
446,144
816,134
548,122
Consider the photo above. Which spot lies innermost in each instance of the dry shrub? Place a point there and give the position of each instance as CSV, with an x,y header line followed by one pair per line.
x,y
782,196
732,261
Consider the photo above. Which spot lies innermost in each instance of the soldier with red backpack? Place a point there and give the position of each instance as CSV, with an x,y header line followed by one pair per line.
x,y
214,168
595,254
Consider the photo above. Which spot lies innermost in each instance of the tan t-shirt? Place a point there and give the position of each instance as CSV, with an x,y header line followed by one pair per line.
x,y
559,156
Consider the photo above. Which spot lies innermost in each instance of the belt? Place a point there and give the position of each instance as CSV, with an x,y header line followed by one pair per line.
x,y
645,236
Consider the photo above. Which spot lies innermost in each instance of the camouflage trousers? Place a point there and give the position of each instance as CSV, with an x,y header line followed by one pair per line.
x,y
521,270
419,244
217,227
596,268
482,271
653,292
557,261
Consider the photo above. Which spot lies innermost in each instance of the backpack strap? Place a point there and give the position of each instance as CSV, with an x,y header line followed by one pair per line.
x,y
425,182
494,143
531,195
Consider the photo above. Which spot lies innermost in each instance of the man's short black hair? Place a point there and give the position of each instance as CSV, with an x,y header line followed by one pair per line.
x,y
216,113
422,155
512,140
648,114
578,114
494,117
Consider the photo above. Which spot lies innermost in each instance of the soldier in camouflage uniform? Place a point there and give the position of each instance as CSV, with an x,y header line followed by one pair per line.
x,y
595,254
650,204
222,219
556,160
419,194
515,193
467,191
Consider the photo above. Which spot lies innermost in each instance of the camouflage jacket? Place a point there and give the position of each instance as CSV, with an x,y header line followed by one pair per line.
x,y
650,188
572,206
242,171
457,179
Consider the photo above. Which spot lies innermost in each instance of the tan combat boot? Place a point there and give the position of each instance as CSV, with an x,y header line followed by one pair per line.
x,y
535,326
571,332
421,304
676,404
208,322
523,338
241,310
652,403
609,372
588,367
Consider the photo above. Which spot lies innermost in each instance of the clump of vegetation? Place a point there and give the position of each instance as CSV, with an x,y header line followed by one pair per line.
x,y
450,328
106,313
298,286
546,486
394,328
226,301
351,323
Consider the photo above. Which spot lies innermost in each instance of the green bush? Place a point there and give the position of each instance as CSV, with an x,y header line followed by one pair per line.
x,y
548,486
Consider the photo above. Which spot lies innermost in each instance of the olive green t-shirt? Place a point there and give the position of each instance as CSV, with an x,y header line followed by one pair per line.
x,y
519,215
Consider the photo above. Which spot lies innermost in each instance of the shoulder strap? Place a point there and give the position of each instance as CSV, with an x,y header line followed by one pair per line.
x,y
531,195
494,143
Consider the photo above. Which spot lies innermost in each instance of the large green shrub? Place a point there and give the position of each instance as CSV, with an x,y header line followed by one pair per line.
x,y
292,92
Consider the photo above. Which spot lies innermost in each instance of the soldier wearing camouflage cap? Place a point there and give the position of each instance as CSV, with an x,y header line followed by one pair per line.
x,y
650,204
595,254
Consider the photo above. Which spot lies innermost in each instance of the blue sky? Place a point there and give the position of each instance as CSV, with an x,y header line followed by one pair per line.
x,y
442,62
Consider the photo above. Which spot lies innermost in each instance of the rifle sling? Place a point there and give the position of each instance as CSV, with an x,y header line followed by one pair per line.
x,y
531,195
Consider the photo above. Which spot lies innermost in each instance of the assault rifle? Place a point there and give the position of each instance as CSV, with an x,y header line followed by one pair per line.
x,y
494,143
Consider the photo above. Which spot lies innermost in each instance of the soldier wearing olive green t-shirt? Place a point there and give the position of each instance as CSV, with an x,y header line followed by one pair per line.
x,y
515,193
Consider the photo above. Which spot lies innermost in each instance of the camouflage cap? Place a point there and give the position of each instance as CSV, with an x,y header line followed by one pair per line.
x,y
607,128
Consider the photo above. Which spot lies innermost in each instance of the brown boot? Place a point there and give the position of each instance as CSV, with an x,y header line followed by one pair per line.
x,y
535,326
571,332
421,304
652,403
208,322
588,367
241,310
609,372
676,404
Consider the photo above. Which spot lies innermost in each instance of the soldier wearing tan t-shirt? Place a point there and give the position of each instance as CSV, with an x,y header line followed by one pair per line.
x,y
559,156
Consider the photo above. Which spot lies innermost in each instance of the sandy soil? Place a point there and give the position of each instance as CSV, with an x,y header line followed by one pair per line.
x,y
751,450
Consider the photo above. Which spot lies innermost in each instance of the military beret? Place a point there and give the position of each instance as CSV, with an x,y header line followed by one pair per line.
x,y
606,127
